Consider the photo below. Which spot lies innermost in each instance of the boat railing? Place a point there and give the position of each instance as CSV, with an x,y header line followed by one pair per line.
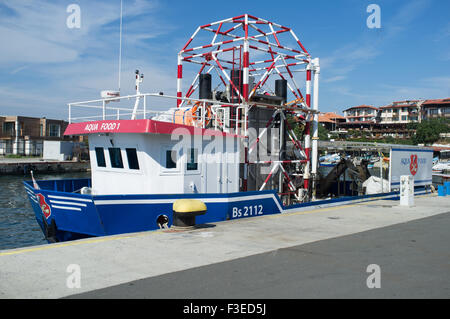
x,y
204,113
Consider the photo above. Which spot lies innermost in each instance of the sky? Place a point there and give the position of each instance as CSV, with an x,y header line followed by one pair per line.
x,y
44,64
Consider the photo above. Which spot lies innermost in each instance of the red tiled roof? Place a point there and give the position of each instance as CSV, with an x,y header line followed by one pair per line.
x,y
362,107
397,106
406,101
437,101
329,117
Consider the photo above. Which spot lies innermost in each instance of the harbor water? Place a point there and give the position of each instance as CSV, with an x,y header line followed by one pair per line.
x,y
18,226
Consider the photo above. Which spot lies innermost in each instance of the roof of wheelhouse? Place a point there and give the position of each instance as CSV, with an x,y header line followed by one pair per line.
x,y
139,126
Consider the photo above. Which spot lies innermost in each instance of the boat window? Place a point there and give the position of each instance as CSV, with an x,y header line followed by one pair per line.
x,y
171,157
133,162
192,163
100,154
116,157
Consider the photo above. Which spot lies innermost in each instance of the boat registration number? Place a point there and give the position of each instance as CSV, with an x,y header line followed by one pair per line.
x,y
247,211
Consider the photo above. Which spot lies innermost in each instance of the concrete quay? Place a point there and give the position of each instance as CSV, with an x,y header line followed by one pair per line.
x,y
23,166
318,253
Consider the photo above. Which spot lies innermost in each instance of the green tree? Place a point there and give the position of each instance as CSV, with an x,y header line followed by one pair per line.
x,y
323,133
428,131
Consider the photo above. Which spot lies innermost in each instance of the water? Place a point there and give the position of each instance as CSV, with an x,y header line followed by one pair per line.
x,y
18,225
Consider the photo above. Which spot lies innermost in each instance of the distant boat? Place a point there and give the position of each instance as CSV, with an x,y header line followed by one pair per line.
x,y
329,160
441,167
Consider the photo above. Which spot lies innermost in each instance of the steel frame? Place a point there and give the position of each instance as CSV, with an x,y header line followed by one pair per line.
x,y
261,38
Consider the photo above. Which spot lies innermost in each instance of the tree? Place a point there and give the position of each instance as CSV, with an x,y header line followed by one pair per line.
x,y
323,133
428,131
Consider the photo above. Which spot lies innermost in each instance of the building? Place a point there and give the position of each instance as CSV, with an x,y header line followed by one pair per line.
x,y
361,113
24,135
331,120
361,118
435,109
395,117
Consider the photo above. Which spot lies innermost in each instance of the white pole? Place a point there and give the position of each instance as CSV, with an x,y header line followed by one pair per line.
x,y
315,116
145,107
120,44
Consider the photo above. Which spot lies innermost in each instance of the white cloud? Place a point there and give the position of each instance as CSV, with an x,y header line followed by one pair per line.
x,y
334,79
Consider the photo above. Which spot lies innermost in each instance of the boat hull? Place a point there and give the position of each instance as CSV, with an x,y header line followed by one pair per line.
x,y
65,215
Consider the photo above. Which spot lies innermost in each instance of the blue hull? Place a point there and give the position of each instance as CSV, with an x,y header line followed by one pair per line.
x,y
66,215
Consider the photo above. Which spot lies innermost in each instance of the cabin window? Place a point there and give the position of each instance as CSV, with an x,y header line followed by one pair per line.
x,y
171,157
115,157
133,162
192,161
100,154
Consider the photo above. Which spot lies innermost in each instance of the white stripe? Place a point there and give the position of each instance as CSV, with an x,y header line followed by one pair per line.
x,y
71,198
29,189
205,200
67,203
65,207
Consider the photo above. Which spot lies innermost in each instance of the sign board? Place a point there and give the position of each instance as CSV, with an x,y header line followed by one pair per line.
x,y
415,162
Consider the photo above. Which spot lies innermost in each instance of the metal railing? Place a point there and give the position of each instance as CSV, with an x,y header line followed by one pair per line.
x,y
211,114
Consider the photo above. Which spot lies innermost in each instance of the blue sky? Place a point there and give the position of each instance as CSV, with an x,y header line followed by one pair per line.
x,y
44,65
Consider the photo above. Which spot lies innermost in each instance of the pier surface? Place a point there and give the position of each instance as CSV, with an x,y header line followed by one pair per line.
x,y
320,253
22,166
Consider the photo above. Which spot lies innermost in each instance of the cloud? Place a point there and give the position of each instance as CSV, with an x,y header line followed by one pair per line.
x,y
59,65
334,79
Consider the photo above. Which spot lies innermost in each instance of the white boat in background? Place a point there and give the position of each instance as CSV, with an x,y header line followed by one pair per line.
x,y
441,167
330,159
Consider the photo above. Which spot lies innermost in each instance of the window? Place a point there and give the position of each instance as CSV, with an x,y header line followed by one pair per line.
x,y
41,130
54,130
192,160
115,157
171,158
9,128
404,117
133,162
100,154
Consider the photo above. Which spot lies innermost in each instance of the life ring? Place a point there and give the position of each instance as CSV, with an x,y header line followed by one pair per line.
x,y
188,116
197,119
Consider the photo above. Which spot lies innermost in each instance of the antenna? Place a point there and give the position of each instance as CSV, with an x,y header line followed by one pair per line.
x,y
120,43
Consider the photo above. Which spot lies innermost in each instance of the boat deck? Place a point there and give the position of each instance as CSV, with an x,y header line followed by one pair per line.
x,y
106,262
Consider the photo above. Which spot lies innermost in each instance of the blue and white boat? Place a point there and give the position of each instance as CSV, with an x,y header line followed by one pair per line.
x,y
208,149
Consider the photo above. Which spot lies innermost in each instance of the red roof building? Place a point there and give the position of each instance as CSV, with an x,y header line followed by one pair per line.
x,y
435,108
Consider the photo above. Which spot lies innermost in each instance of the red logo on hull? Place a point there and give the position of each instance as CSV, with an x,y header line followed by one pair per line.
x,y
45,208
413,166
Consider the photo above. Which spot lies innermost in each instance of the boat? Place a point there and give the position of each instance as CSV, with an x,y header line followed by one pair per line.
x,y
441,167
207,149
329,160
